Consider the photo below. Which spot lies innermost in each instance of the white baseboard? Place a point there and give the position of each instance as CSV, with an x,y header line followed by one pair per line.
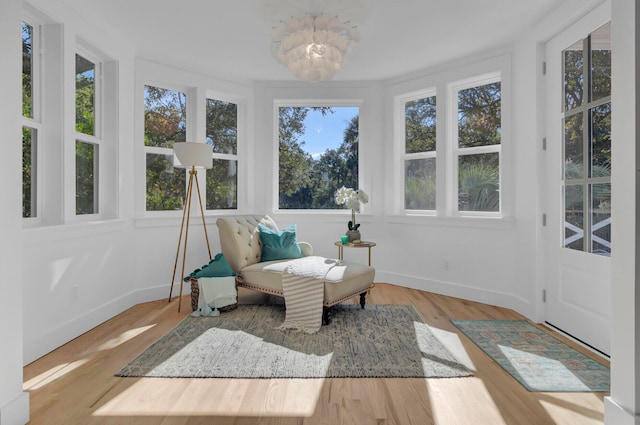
x,y
54,338
451,289
16,412
614,414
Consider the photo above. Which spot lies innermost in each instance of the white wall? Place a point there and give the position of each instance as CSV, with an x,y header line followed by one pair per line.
x,y
79,274
14,404
623,406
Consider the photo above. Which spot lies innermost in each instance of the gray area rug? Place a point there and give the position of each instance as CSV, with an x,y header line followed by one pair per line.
x,y
379,341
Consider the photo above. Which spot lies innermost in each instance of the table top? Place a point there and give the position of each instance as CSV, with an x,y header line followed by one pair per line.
x,y
361,244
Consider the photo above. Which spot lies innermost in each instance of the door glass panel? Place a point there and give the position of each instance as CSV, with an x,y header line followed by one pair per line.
x,y
601,62
601,140
574,217
573,147
420,184
601,219
573,62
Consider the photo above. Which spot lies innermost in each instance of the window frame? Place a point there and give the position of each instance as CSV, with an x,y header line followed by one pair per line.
x,y
446,81
400,104
35,121
311,103
211,95
587,181
160,150
457,151
96,139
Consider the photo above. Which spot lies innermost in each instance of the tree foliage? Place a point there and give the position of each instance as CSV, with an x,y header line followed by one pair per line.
x,y
420,125
165,118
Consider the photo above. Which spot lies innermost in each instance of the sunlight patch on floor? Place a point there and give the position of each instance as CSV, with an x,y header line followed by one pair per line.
x,y
445,407
51,375
562,406
123,337
529,367
215,397
451,340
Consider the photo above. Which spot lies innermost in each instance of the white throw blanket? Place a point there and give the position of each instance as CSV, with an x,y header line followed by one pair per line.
x,y
303,288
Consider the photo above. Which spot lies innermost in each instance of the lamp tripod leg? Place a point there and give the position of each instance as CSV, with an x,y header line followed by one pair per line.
x,y
175,264
186,233
206,235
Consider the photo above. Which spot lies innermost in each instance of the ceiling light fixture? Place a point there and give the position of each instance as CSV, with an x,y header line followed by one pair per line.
x,y
313,48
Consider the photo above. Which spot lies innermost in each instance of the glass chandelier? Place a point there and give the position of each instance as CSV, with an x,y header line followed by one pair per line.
x,y
313,48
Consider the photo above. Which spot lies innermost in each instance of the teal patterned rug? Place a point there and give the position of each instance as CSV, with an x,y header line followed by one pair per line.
x,y
539,361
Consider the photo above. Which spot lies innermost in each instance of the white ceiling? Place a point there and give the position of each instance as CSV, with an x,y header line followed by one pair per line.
x,y
231,38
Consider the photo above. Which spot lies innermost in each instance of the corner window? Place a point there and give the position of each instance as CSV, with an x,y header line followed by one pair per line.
x,y
317,154
88,139
165,118
222,135
420,153
30,121
477,149
448,144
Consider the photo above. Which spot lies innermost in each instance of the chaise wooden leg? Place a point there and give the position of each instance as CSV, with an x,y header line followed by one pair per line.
x,y
326,315
362,299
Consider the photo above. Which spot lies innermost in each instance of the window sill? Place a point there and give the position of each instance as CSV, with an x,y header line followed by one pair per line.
x,y
449,221
44,233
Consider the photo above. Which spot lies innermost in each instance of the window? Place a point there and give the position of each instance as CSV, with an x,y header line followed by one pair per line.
x,y
87,136
478,147
587,143
165,123
30,121
420,153
222,135
317,153
449,144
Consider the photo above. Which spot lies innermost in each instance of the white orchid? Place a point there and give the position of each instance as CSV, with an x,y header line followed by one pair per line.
x,y
353,199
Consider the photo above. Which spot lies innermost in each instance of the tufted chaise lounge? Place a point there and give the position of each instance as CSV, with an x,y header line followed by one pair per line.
x,y
240,243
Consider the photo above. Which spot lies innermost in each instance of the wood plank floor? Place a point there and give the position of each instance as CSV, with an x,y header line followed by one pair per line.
x,y
75,384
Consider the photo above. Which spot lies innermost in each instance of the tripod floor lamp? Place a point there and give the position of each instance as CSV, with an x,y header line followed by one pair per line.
x,y
189,155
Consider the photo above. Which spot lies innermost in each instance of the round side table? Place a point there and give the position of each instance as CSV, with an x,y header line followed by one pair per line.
x,y
361,244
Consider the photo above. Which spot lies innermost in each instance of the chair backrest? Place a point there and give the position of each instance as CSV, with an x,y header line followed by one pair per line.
x,y
240,238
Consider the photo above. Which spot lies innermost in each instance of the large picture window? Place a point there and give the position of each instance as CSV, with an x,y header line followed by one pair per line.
x,y
165,123
318,153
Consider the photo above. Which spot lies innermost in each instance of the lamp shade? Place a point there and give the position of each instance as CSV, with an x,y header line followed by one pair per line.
x,y
192,154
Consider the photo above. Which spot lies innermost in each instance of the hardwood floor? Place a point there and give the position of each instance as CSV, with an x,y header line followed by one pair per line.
x,y
75,384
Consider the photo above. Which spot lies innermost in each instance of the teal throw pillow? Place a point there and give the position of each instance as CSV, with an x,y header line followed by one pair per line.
x,y
280,245
218,267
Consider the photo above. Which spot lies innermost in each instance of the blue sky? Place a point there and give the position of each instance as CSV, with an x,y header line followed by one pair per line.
x,y
326,132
